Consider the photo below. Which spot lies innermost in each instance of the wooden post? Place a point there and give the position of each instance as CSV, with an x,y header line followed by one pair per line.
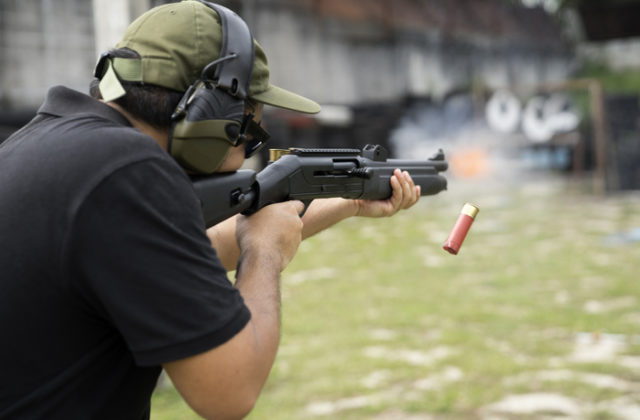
x,y
597,111
600,135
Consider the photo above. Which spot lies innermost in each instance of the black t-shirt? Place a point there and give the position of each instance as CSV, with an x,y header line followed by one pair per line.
x,y
106,271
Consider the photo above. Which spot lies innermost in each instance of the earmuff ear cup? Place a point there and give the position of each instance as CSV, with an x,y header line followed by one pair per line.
x,y
202,138
200,155
210,118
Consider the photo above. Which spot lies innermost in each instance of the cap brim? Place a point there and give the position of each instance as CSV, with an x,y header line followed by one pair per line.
x,y
282,98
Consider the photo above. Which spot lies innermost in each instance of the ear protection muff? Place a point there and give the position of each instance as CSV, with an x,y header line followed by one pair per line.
x,y
210,118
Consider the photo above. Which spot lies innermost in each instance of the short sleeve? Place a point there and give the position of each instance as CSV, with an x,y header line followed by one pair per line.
x,y
141,260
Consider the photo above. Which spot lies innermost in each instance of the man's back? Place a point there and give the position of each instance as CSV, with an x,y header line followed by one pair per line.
x,y
48,169
77,340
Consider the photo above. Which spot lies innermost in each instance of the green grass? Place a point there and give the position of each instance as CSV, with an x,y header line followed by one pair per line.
x,y
379,321
622,81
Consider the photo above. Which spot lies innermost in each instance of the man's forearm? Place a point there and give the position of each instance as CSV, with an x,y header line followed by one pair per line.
x,y
258,280
320,215
324,213
223,239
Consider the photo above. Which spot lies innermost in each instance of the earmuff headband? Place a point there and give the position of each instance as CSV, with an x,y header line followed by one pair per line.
x,y
234,75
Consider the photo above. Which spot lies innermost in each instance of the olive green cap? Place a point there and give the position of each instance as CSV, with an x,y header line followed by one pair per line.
x,y
175,42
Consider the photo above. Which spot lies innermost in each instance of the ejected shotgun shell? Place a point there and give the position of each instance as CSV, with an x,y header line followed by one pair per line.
x,y
460,229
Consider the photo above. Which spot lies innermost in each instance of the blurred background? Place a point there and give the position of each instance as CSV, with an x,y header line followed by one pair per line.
x,y
536,105
550,83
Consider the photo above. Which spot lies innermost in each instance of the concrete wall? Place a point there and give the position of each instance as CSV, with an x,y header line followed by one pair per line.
x,y
328,50
348,61
43,43
51,42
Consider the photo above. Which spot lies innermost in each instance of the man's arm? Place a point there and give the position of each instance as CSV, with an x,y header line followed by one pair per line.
x,y
323,214
225,382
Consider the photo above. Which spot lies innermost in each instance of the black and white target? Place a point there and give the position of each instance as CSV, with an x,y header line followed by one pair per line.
x,y
503,112
546,116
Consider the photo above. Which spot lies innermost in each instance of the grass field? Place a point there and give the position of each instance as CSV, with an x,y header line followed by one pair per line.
x,y
536,318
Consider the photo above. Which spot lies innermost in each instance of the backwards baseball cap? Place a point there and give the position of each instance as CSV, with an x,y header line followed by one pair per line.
x,y
175,42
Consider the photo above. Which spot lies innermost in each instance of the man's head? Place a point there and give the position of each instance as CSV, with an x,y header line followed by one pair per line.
x,y
174,43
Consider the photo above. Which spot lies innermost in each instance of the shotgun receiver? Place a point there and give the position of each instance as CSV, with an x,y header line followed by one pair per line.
x,y
307,174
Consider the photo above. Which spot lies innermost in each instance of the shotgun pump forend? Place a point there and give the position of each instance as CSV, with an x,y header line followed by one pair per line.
x,y
307,174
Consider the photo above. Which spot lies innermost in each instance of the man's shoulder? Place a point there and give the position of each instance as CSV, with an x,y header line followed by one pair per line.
x,y
101,138
70,123
76,152
88,140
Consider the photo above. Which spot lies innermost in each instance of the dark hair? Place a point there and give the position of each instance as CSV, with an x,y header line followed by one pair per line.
x,y
150,103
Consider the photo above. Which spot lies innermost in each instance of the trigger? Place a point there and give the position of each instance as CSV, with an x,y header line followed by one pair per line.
x,y
306,206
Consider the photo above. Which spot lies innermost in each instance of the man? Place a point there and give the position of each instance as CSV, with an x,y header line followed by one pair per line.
x,y
108,275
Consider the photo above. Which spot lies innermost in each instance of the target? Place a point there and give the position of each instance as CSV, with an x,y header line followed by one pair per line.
x,y
503,112
542,117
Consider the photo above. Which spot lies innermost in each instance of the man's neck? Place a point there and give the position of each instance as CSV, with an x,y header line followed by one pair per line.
x,y
161,136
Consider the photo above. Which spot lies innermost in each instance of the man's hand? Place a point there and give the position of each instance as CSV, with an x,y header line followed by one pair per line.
x,y
404,195
327,212
275,229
